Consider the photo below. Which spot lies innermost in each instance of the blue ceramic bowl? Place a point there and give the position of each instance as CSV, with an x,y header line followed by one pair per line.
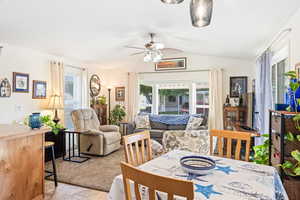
x,y
197,164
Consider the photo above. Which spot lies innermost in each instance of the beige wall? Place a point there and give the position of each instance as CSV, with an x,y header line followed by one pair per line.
x,y
115,73
36,64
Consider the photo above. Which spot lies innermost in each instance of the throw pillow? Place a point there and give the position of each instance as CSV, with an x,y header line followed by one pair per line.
x,y
194,123
142,122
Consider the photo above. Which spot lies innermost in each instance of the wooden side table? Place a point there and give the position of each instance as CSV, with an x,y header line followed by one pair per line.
x,y
72,153
124,126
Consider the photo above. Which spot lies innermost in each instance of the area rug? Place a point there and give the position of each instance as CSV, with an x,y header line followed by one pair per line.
x,y
96,173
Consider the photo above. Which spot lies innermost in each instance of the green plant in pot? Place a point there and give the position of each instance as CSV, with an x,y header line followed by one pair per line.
x,y
261,152
117,114
47,121
101,100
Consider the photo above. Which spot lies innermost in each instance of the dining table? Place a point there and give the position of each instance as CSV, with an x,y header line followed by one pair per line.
x,y
230,179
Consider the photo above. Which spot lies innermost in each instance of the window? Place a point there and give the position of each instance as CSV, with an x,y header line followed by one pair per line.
x,y
173,101
278,81
202,101
73,93
146,98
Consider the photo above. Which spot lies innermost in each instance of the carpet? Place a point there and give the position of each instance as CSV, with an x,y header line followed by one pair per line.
x,y
97,173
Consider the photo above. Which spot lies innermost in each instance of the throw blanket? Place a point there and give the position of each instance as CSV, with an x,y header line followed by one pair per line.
x,y
171,119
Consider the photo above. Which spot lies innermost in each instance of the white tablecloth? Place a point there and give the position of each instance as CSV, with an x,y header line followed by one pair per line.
x,y
231,179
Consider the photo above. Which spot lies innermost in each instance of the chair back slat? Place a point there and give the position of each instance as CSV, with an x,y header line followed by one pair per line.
x,y
229,136
137,191
229,147
142,150
155,183
238,150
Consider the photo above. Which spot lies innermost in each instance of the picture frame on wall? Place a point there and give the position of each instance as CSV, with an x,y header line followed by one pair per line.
x,y
5,88
20,82
171,64
120,93
238,86
39,89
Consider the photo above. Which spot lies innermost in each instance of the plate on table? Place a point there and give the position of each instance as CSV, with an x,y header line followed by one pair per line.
x,y
199,165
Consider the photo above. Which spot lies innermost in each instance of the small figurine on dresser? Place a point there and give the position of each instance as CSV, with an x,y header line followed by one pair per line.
x,y
227,102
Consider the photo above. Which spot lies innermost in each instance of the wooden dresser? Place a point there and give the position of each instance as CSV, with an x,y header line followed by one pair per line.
x,y
21,162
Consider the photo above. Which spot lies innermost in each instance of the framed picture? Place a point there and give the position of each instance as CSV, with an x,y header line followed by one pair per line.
x,y
171,64
297,69
5,88
238,86
20,82
120,93
39,89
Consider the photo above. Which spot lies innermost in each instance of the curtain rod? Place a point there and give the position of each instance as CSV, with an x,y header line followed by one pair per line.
x,y
199,70
72,66
287,30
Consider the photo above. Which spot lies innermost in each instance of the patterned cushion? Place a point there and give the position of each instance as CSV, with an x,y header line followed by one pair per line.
x,y
194,141
142,122
157,148
194,123
158,125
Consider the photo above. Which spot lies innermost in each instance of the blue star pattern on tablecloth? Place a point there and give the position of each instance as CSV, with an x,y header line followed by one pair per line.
x,y
206,190
226,170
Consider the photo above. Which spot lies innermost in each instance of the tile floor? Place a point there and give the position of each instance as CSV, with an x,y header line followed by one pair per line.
x,y
70,192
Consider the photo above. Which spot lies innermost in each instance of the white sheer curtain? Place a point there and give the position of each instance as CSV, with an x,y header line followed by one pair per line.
x,y
263,94
57,83
215,119
133,95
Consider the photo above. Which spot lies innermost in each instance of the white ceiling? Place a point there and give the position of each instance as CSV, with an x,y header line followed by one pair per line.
x,y
93,30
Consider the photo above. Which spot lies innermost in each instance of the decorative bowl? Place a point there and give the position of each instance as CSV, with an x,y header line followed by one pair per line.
x,y
199,165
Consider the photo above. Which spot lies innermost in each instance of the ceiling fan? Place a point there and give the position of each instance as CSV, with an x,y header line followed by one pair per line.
x,y
153,51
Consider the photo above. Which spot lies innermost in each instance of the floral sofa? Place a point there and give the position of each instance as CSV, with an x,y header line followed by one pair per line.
x,y
190,140
158,126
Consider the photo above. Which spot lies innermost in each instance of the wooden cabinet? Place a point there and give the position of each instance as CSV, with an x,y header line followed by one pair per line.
x,y
101,111
21,163
281,122
234,116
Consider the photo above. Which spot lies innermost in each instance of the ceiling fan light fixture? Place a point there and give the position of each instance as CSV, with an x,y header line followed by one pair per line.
x,y
172,1
201,12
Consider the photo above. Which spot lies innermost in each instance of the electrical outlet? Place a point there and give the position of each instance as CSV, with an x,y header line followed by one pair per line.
x,y
18,108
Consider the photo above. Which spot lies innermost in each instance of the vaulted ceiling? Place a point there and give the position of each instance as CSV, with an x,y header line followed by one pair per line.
x,y
93,30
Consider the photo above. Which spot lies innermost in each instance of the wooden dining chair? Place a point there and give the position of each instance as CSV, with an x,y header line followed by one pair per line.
x,y
138,148
230,135
154,183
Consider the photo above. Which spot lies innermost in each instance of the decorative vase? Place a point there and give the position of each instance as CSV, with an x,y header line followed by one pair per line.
x,y
34,120
292,96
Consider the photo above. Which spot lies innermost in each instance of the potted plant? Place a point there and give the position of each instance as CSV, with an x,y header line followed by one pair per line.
x,y
117,114
101,100
47,121
261,152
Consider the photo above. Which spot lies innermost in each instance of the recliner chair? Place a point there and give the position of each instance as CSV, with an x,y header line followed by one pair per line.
x,y
99,140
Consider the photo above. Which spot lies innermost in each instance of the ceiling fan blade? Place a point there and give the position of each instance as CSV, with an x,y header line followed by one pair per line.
x,y
142,52
132,47
171,50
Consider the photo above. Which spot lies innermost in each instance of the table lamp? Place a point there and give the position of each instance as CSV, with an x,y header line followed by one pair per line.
x,y
55,103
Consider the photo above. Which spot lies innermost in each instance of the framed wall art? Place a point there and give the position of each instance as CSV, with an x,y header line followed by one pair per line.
x,y
95,85
171,64
20,82
238,86
120,93
39,89
5,88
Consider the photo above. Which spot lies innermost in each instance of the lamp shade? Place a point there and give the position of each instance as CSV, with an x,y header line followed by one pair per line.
x,y
201,12
55,102
172,1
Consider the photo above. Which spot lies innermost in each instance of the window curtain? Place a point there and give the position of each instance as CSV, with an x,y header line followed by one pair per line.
x,y
215,118
57,84
133,95
85,88
263,94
